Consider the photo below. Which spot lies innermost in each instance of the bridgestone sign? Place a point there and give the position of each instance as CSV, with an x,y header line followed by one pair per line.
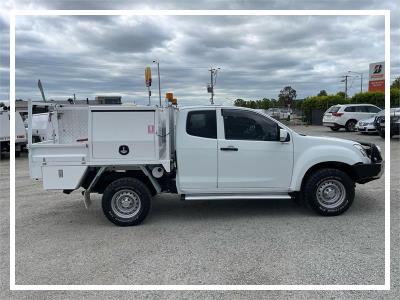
x,y
376,77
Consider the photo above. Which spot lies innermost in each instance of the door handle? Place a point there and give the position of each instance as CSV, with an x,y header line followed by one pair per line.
x,y
229,148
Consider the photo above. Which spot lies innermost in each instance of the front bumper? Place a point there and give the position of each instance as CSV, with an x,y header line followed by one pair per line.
x,y
366,129
331,124
368,172
374,170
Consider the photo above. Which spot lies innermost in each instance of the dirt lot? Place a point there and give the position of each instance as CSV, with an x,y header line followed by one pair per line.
x,y
58,241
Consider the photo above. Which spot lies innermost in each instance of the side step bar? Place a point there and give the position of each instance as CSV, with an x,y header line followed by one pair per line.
x,y
234,196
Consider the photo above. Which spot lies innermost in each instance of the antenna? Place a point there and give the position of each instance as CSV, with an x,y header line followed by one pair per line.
x,y
41,90
213,81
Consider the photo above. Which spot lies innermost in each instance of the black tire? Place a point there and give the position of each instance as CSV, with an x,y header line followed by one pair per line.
x,y
316,191
351,125
135,193
17,153
334,128
382,134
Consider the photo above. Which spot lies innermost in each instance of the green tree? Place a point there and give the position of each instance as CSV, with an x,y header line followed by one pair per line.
x,y
322,93
341,94
240,102
287,95
375,98
396,83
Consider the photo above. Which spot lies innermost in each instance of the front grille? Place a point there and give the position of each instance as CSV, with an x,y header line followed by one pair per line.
x,y
372,152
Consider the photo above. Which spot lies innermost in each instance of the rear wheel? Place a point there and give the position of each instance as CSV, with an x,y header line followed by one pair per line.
x,y
334,128
329,192
382,133
126,201
351,125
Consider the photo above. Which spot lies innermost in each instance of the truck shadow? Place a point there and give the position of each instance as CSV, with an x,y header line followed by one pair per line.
x,y
164,209
168,209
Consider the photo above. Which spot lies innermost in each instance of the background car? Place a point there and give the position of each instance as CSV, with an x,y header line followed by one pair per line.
x,y
394,123
366,126
369,125
278,113
347,115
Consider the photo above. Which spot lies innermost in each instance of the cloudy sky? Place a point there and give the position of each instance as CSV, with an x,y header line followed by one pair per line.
x,y
257,55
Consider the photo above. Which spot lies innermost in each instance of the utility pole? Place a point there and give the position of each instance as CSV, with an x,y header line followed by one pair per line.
x,y
361,79
213,81
159,80
345,85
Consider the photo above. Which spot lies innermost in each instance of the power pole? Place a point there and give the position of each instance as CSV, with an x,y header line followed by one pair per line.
x,y
213,81
345,85
361,79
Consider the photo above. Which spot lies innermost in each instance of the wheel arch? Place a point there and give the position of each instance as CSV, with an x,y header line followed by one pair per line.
x,y
349,120
346,168
114,174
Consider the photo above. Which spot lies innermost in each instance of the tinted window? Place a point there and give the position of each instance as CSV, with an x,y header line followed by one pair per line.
x,y
350,109
246,125
362,109
202,123
373,109
333,109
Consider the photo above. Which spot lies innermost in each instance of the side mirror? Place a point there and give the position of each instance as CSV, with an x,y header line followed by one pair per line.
x,y
284,135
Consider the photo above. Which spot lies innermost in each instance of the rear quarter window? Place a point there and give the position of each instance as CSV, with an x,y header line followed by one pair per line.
x,y
202,123
333,109
373,109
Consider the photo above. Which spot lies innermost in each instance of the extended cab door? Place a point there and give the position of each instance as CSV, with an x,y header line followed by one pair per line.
x,y
196,150
250,155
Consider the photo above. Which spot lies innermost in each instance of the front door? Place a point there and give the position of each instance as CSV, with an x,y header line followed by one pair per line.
x,y
250,155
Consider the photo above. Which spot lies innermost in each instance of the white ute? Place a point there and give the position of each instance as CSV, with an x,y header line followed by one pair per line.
x,y
130,153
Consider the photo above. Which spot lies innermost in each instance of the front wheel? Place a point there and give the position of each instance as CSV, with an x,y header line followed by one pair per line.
x,y
126,201
351,125
330,192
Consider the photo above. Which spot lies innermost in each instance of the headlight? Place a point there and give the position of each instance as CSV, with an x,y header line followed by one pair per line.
x,y
361,149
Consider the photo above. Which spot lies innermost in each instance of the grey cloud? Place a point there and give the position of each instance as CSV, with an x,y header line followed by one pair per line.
x,y
111,53
205,4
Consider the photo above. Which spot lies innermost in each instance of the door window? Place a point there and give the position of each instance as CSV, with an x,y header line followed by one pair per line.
x,y
202,123
350,109
246,125
362,109
373,109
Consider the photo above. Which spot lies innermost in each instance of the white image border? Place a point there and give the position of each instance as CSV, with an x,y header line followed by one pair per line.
x,y
15,13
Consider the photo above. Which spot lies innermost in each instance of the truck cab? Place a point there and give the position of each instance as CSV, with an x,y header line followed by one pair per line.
x,y
131,153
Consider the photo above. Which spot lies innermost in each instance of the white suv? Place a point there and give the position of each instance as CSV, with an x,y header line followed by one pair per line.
x,y
347,115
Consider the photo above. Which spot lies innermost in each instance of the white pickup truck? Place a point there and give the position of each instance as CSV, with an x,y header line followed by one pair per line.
x,y
131,153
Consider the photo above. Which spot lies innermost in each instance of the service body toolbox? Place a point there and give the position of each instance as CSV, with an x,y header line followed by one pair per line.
x,y
86,136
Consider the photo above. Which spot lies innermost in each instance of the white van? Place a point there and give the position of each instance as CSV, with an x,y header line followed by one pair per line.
x,y
20,133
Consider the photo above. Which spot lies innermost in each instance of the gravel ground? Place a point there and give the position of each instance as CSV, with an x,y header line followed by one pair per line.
x,y
221,242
